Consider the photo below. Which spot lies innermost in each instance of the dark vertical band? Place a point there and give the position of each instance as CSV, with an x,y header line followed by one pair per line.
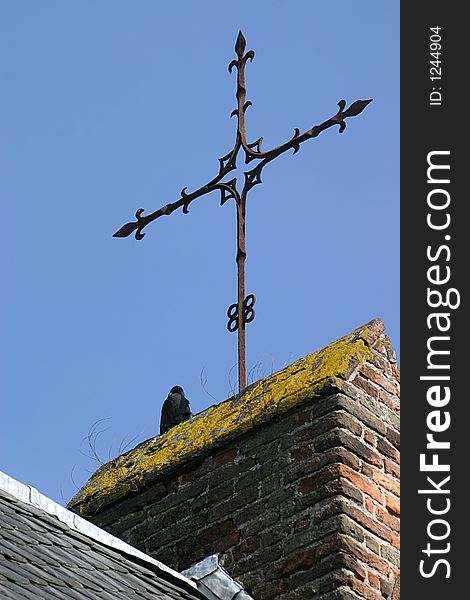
x,y
433,255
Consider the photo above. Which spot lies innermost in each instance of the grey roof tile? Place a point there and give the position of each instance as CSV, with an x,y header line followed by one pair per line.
x,y
13,552
108,559
76,595
80,542
36,576
43,558
79,560
55,556
9,521
13,572
110,555
58,577
13,592
6,506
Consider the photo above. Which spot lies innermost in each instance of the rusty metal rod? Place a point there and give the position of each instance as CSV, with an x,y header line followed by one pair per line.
x,y
241,259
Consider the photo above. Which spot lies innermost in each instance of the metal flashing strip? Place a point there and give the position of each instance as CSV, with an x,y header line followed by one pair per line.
x,y
214,582
29,495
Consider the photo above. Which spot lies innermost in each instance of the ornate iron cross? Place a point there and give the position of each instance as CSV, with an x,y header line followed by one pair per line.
x,y
241,312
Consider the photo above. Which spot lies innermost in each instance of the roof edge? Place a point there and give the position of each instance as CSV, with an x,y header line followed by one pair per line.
x,y
30,495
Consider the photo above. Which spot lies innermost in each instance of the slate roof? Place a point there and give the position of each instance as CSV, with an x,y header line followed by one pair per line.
x,y
43,554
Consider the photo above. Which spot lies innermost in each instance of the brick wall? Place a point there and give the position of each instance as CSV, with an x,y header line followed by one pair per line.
x,y
304,506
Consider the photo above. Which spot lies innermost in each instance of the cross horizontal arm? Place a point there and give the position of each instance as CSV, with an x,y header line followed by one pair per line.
x,y
252,177
228,190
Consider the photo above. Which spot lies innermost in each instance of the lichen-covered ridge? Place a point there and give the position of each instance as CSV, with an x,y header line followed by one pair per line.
x,y
300,382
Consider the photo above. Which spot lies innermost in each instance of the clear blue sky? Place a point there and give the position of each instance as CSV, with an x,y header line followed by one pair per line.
x,y
110,106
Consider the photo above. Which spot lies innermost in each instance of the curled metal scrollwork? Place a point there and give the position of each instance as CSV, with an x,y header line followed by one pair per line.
x,y
248,308
248,313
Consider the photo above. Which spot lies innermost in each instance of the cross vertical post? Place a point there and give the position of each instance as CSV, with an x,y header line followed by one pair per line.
x,y
241,312
241,213
241,258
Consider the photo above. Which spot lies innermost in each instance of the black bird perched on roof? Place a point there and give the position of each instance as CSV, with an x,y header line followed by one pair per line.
x,y
175,409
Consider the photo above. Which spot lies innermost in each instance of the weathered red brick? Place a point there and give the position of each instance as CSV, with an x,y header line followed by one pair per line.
x,y
373,581
370,437
393,437
396,590
352,564
384,517
380,347
392,468
372,373
271,590
363,483
315,481
217,531
384,346
372,525
227,456
390,400
392,504
320,460
390,554
367,386
374,333
386,586
304,416
189,476
382,363
247,547
357,446
335,471
347,422
396,372
369,505
223,544
299,561
387,482
364,590
353,547
302,524
302,452
386,448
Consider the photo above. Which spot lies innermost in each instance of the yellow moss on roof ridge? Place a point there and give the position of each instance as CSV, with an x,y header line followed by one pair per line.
x,y
276,394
